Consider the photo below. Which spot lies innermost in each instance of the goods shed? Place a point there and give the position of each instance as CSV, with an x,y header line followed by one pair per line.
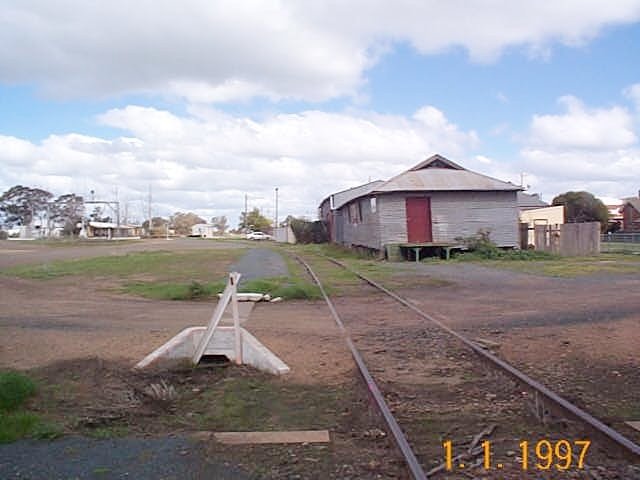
x,y
428,206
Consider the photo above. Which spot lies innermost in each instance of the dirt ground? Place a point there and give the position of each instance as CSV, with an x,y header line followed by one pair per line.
x,y
81,340
579,336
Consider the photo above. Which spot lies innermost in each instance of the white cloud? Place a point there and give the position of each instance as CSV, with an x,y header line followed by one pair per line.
x,y
583,128
502,98
220,51
633,93
593,149
207,160
15,150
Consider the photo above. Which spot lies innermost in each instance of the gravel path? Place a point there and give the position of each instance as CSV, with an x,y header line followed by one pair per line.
x,y
122,458
490,297
260,263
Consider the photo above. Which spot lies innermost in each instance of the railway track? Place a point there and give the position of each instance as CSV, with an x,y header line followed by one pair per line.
x,y
454,409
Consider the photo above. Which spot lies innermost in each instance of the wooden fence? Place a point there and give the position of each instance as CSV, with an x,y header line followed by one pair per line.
x,y
569,239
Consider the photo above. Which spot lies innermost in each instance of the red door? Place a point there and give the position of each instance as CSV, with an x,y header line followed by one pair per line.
x,y
419,220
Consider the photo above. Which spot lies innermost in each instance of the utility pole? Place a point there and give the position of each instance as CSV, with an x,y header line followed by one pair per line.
x,y
126,212
276,225
150,223
245,212
118,205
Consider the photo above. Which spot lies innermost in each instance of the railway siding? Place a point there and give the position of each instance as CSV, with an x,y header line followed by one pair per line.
x,y
437,390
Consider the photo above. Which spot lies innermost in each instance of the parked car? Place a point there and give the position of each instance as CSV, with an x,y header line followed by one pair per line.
x,y
258,236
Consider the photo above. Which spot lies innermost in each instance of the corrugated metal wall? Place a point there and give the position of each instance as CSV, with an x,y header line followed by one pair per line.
x,y
462,214
453,214
365,233
338,226
392,212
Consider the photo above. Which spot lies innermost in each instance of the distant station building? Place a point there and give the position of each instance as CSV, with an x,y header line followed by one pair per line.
x,y
429,206
110,231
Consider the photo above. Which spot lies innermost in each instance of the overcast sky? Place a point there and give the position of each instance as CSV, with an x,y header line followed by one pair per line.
x,y
206,101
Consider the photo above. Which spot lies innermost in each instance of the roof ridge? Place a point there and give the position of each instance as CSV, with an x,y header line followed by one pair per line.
x,y
436,158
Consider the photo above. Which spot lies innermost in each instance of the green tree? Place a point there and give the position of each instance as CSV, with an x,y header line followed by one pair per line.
x,y
583,207
158,225
221,223
20,205
182,222
98,215
67,210
254,221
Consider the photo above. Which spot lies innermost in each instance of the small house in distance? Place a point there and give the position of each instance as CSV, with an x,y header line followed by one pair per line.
x,y
204,230
631,214
428,206
533,212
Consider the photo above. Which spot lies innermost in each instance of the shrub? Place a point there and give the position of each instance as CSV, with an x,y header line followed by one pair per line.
x,y
307,231
15,388
481,245
198,290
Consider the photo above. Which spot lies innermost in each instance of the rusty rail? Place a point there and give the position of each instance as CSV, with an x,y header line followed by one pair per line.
x,y
392,425
595,424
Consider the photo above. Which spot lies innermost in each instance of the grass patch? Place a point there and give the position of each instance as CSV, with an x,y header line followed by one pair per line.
x,y
570,267
174,291
198,265
15,389
620,247
159,275
258,403
17,425
338,281
505,255
338,252
15,422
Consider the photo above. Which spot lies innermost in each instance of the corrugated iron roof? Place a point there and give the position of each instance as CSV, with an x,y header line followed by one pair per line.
x,y
345,196
528,201
110,225
635,202
436,173
444,179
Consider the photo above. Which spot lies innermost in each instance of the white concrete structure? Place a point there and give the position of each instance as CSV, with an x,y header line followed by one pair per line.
x,y
233,342
284,235
204,230
183,346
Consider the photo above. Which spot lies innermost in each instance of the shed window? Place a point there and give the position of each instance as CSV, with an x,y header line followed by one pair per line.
x,y
372,200
355,213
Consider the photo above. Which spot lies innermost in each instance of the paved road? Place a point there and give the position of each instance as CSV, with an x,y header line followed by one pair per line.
x,y
260,263
124,458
